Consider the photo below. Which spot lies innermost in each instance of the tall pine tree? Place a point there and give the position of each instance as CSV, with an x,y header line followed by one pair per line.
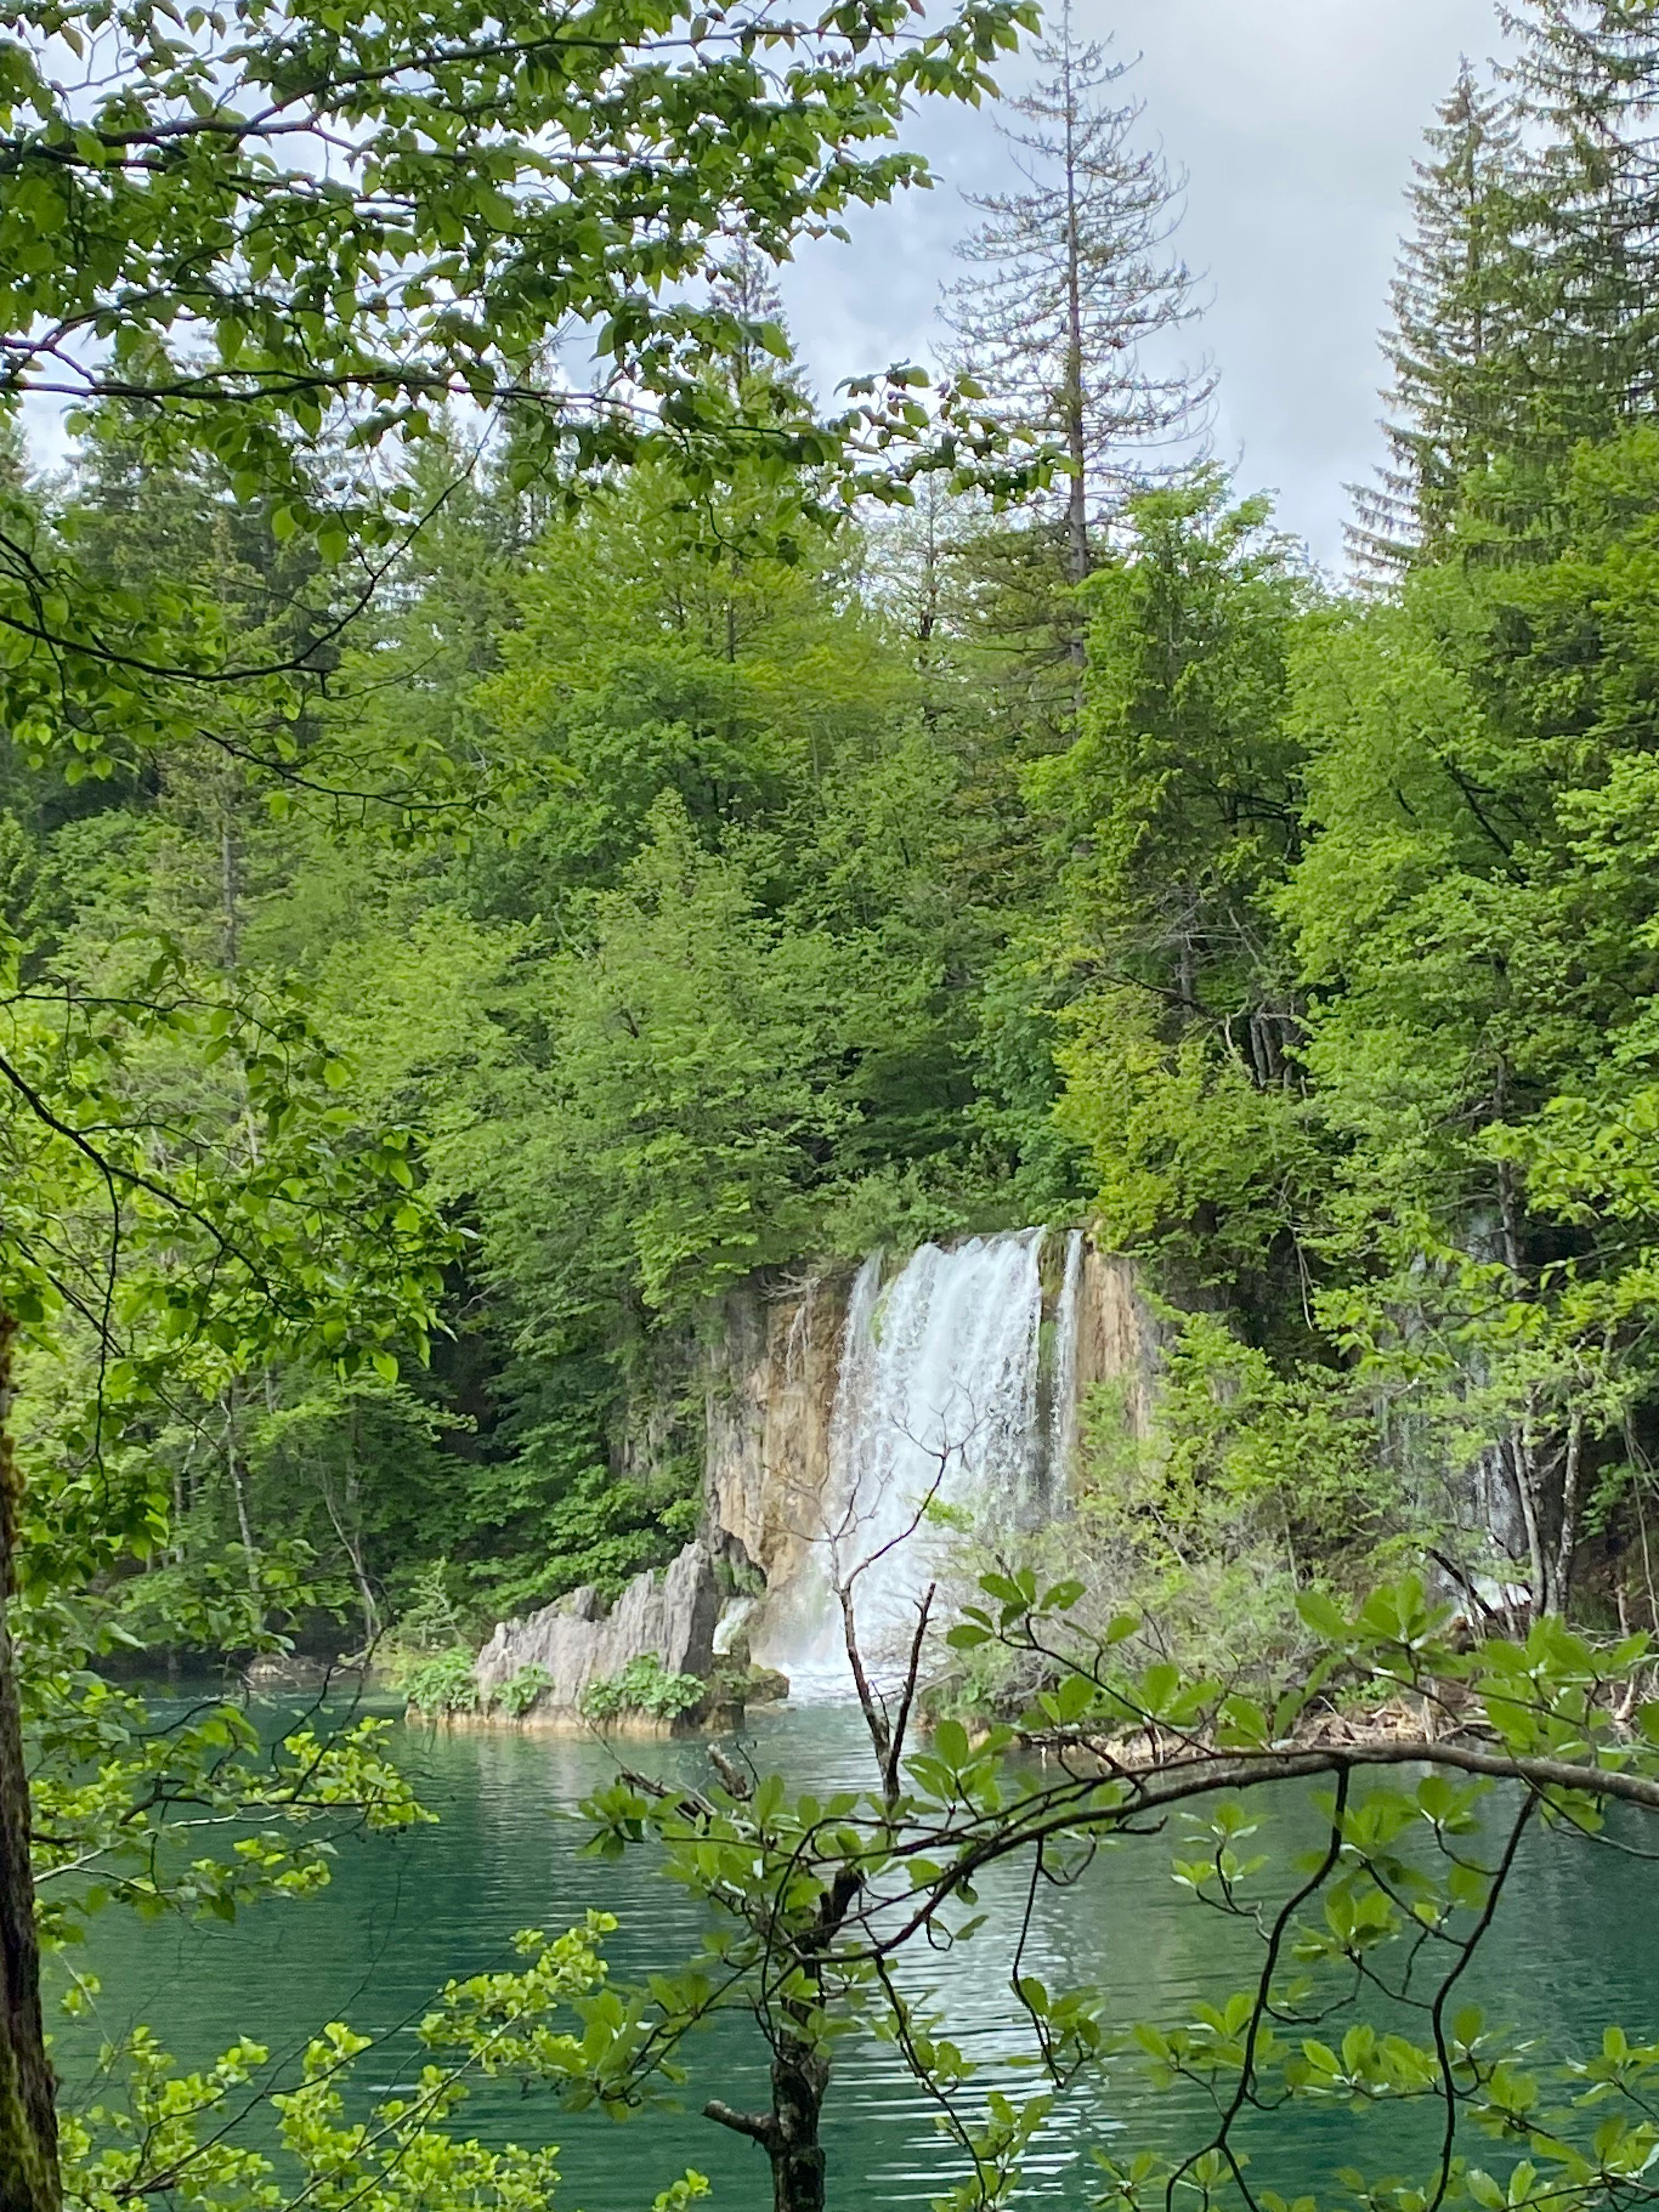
x,y
1586,77
1451,344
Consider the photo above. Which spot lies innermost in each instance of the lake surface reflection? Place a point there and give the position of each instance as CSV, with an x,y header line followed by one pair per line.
x,y
1577,1946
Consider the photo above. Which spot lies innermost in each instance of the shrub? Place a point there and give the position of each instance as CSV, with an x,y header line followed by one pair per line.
x,y
644,1686
445,1683
520,1691
431,1621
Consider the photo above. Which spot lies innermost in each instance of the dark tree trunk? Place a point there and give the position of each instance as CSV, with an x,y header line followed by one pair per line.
x,y
29,2126
788,2134
1078,562
799,2078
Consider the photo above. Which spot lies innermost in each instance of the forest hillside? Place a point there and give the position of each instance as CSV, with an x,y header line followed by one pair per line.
x,y
703,875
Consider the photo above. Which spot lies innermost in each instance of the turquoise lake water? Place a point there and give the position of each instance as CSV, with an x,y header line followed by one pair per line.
x,y
1577,1946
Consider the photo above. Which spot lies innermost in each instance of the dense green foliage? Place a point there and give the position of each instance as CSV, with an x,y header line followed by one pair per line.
x,y
260,250
644,1686
715,998
815,898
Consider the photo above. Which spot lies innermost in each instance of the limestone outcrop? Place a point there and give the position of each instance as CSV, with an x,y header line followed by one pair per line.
x,y
771,1396
1117,1337
669,1616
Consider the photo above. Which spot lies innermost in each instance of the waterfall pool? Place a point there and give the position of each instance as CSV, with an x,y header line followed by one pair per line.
x,y
1577,1946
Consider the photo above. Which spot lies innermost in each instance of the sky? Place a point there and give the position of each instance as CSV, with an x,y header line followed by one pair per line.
x,y
1296,122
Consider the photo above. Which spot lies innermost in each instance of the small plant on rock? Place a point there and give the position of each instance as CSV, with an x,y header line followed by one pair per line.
x,y
644,1686
520,1691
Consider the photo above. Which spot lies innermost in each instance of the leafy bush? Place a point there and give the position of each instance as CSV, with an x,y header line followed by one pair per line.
x,y
644,1686
520,1691
445,1683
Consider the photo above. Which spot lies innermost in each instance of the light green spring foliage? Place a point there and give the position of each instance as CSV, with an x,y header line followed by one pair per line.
x,y
1176,807
445,1683
521,1693
690,988
687,1081
260,1822
1358,925
506,180
644,1686
550,2020
1486,1046
195,672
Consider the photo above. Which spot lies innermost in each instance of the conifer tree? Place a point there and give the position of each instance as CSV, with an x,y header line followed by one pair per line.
x,y
745,286
1451,334
1586,77
1074,279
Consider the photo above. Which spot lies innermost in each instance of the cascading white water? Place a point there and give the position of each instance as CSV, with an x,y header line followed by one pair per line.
x,y
1063,1402
939,1403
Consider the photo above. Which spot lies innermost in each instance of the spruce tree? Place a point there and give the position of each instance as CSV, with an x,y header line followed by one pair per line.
x,y
1586,77
745,285
1074,279
1451,344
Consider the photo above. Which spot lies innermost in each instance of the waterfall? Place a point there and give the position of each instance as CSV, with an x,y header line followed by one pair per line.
x,y
1062,1389
947,1398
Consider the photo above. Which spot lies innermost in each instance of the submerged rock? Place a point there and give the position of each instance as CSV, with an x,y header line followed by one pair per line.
x,y
668,1616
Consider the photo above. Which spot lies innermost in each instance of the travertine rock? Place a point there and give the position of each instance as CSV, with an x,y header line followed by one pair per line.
x,y
669,1616
771,1396
1117,1336
772,1375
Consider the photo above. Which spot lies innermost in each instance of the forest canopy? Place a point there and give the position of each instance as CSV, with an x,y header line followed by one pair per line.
x,y
663,870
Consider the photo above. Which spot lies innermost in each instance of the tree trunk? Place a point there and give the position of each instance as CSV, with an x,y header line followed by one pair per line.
x,y
788,2134
799,2077
1524,1473
1566,1546
28,2125
1071,399
238,1475
353,1551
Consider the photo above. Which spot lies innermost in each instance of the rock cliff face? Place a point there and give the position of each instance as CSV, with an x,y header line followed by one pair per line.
x,y
772,1374
1117,1338
779,1458
669,1616
830,1402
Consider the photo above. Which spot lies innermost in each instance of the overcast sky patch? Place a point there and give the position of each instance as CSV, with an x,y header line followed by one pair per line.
x,y
1296,122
